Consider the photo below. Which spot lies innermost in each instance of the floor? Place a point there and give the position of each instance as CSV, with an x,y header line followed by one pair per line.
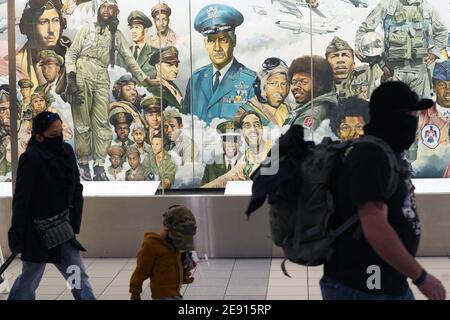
x,y
215,279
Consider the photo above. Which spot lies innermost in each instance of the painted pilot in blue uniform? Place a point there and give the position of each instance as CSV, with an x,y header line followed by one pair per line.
x,y
220,88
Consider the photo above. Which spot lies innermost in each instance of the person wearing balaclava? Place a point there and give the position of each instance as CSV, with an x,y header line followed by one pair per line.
x,y
165,257
271,89
374,183
47,210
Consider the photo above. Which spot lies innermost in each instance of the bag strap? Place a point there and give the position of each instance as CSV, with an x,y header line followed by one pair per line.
x,y
394,166
392,183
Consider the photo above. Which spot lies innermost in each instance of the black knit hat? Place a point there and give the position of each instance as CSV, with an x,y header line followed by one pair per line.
x,y
43,121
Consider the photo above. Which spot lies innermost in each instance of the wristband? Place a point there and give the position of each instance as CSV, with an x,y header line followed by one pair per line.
x,y
421,279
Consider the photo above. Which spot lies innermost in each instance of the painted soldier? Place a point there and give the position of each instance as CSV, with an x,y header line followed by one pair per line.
x,y
166,65
223,163
87,61
220,88
139,23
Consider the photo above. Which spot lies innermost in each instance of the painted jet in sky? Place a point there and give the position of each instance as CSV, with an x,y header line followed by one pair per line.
x,y
298,28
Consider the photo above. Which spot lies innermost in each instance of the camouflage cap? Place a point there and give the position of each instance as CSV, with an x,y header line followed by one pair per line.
x,y
182,225
116,150
337,44
228,128
25,83
442,71
137,16
168,55
153,104
50,56
161,8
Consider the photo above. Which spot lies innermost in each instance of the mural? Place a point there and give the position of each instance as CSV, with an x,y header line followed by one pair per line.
x,y
193,93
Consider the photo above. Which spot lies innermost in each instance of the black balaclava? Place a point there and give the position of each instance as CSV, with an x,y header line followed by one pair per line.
x,y
388,118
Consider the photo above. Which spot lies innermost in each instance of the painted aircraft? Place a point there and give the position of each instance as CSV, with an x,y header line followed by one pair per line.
x,y
260,10
304,27
358,3
4,24
292,7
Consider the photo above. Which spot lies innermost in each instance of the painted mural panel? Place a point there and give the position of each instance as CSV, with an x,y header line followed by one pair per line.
x,y
193,93
5,140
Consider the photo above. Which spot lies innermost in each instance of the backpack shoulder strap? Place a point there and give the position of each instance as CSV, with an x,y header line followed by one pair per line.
x,y
394,166
392,183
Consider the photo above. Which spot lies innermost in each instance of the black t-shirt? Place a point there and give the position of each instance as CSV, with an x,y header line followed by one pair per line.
x,y
363,178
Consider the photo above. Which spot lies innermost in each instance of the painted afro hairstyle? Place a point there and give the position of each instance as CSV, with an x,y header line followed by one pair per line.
x,y
322,72
348,107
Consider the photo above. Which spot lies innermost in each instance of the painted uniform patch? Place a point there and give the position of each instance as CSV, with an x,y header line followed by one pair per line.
x,y
308,122
431,135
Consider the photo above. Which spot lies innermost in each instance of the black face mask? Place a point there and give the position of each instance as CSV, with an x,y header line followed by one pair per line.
x,y
54,144
398,131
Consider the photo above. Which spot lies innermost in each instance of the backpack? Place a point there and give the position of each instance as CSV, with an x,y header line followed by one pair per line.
x,y
301,194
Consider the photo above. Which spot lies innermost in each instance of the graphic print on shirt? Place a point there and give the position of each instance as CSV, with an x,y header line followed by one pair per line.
x,y
409,207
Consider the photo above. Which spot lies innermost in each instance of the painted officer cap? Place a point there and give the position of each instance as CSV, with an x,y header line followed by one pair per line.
x,y
442,71
227,129
25,83
153,104
217,18
137,16
118,114
171,114
132,150
50,56
161,8
182,225
168,55
337,44
116,150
